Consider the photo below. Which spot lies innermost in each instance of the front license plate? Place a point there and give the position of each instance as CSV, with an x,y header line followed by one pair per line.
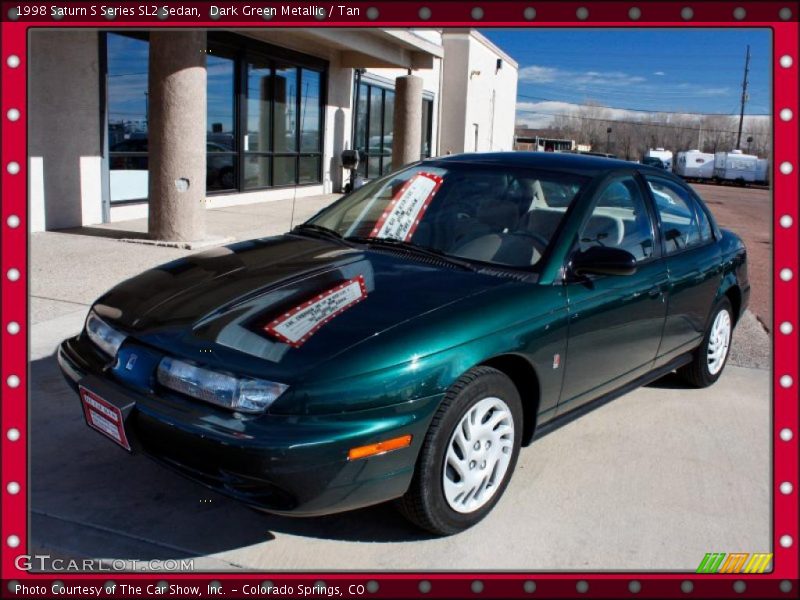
x,y
104,417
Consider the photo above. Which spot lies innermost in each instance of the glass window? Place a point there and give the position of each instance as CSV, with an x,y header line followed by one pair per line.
x,y
264,118
427,128
705,225
620,220
310,111
473,212
285,170
127,60
374,129
221,130
679,226
388,131
285,110
259,104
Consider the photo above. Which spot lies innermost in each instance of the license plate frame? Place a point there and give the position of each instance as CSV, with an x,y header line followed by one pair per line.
x,y
103,416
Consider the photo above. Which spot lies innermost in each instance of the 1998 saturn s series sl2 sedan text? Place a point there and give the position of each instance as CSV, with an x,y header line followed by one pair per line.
x,y
406,341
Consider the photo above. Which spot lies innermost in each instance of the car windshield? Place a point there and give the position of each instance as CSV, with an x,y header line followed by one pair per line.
x,y
489,214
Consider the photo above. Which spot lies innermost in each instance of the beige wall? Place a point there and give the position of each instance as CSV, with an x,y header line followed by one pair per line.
x,y
476,92
64,145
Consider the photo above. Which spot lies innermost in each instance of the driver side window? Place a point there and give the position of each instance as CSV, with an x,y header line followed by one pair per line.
x,y
620,220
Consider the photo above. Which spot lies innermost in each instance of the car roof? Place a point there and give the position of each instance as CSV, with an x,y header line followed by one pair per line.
x,y
556,161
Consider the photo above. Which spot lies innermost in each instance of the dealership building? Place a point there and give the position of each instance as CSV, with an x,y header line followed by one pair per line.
x,y
164,124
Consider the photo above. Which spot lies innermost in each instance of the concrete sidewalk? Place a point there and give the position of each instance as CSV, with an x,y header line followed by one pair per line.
x,y
656,478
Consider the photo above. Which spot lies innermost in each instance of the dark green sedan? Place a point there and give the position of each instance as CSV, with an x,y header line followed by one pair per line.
x,y
405,342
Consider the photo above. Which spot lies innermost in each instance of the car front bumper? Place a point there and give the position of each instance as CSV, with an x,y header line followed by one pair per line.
x,y
294,465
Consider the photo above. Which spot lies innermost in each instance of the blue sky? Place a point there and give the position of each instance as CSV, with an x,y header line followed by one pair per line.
x,y
676,70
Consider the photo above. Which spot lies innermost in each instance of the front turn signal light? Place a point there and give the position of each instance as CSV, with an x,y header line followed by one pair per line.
x,y
380,448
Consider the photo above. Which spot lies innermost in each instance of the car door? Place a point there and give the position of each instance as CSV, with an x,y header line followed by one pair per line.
x,y
615,321
693,262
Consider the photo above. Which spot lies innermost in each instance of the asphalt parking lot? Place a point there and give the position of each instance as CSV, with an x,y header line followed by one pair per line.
x,y
654,479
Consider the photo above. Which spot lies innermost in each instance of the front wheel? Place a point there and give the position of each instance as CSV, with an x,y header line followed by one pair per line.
x,y
468,455
711,356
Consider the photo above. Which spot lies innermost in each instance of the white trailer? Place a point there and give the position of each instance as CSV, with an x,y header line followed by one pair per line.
x,y
693,164
762,170
735,166
664,155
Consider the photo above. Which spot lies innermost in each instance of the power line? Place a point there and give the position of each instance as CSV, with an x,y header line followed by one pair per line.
x,y
642,110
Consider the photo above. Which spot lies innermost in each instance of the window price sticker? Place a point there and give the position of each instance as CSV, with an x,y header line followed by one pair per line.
x,y
405,211
301,322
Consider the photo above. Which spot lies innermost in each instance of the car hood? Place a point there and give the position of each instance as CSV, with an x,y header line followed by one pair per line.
x,y
230,307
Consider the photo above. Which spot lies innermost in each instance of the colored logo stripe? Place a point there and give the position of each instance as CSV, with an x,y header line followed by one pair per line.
x,y
737,562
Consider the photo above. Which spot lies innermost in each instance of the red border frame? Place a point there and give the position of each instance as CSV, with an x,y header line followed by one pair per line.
x,y
421,211
782,582
271,327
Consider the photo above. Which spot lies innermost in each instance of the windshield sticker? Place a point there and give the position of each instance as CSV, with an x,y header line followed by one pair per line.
x,y
405,211
301,322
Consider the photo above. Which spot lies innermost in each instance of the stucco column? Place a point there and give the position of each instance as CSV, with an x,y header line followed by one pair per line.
x,y
177,135
406,144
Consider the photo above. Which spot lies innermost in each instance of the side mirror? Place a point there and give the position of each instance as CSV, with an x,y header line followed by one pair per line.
x,y
603,260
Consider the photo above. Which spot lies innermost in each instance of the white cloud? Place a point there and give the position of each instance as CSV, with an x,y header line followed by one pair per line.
x,y
537,74
659,73
580,79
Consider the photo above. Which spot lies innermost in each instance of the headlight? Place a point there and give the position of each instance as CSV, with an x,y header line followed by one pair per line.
x,y
103,335
236,393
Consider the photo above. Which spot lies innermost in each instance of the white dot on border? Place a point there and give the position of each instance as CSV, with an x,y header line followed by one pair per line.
x,y
786,114
786,61
13,167
529,13
785,13
13,434
687,13
13,61
12,114
786,221
12,221
635,13
373,13
786,541
739,13
786,381
582,13
634,587
424,13
785,586
13,488
786,434
13,274
786,167
12,381
12,328
12,541
739,586
786,328
786,274
477,13
786,488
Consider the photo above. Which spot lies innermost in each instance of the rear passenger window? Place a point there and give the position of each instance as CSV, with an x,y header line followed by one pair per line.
x,y
620,219
705,225
679,219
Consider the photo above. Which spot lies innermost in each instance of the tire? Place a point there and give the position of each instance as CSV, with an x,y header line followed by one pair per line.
x,y
481,395
703,371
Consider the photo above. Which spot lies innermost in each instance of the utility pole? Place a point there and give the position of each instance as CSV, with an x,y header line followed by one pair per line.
x,y
744,97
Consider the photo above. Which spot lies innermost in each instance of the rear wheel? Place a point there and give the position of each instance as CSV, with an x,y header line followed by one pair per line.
x,y
468,455
711,356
